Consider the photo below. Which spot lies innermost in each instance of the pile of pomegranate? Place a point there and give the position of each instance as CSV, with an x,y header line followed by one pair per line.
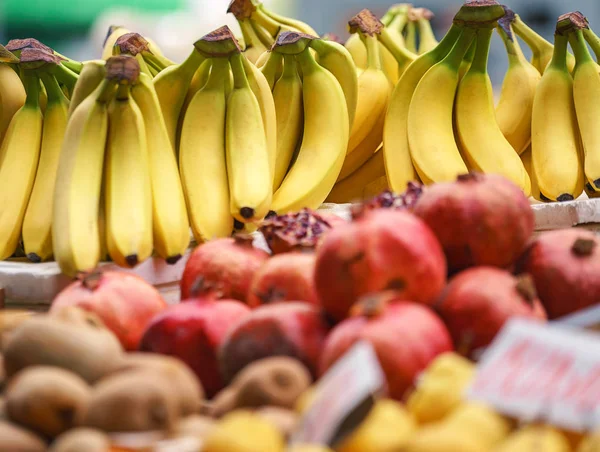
x,y
434,270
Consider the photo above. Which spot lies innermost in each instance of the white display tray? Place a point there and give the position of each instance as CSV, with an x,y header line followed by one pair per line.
x,y
35,285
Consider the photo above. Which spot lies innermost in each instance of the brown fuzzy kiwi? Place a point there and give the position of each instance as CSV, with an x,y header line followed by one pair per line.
x,y
133,401
284,419
224,402
277,381
16,439
78,316
9,320
81,440
46,399
195,426
87,350
184,383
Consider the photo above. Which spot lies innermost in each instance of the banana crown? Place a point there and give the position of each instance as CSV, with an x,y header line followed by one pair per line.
x,y
36,58
479,13
123,69
130,43
366,23
292,42
218,43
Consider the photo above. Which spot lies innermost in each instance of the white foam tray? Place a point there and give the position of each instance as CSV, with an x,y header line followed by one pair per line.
x,y
35,285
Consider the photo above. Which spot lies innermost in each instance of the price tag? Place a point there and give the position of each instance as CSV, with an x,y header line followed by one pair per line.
x,y
542,372
588,319
343,397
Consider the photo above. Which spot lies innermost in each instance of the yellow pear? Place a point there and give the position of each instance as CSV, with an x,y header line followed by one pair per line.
x,y
387,428
243,431
440,388
534,438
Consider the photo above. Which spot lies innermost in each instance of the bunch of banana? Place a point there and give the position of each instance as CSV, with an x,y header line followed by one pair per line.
x,y
556,154
374,90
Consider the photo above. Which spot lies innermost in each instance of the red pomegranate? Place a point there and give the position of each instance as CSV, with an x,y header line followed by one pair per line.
x,y
395,201
284,277
406,336
565,266
295,231
479,220
292,329
193,332
222,268
478,301
380,250
124,302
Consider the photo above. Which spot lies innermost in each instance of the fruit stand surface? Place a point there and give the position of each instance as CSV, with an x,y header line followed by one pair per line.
x,y
29,285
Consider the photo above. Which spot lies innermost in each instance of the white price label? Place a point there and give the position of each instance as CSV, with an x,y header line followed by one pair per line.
x,y
542,372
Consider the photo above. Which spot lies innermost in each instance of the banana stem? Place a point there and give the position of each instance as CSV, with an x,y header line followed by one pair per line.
x,y
535,42
53,89
272,66
513,48
123,92
306,61
593,40
455,56
220,70
411,37
447,42
290,68
559,55
31,82
65,76
401,55
240,79
106,91
399,22
271,26
577,41
373,56
482,50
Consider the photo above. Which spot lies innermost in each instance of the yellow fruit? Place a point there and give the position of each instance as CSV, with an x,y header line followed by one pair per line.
x,y
535,438
480,422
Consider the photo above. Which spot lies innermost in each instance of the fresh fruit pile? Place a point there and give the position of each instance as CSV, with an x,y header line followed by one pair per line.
x,y
236,365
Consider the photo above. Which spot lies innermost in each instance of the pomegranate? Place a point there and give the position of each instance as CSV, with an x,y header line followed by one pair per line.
x,y
406,337
565,266
479,220
123,301
380,250
222,268
284,277
292,329
193,332
297,231
478,301
390,200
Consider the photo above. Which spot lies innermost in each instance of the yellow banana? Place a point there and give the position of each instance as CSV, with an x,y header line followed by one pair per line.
x,y
541,49
273,68
254,48
593,40
366,182
398,163
170,223
12,96
92,74
337,59
586,93
19,156
395,21
75,231
171,86
37,224
292,24
433,148
288,105
556,153
528,164
202,157
247,149
427,40
198,81
322,153
513,112
127,191
260,87
481,139
262,60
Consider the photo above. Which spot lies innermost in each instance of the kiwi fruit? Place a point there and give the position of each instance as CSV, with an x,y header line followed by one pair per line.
x,y
187,389
224,402
16,439
77,316
133,401
46,399
277,381
284,419
87,350
195,426
81,440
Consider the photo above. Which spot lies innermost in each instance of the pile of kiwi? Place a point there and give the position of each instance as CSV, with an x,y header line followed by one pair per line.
x,y
68,386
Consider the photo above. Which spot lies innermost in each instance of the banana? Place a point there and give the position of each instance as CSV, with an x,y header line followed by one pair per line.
x,y
433,148
288,105
337,59
397,22
593,40
410,40
396,150
260,87
198,81
92,74
12,96
322,152
367,181
75,217
541,49
262,60
19,156
466,62
513,112
171,87
247,150
292,24
373,94
586,94
481,139
273,68
127,190
358,50
427,39
528,164
555,139
37,224
254,48
202,157
170,223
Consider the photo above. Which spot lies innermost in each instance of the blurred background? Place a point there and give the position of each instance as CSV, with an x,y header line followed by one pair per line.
x,y
77,27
